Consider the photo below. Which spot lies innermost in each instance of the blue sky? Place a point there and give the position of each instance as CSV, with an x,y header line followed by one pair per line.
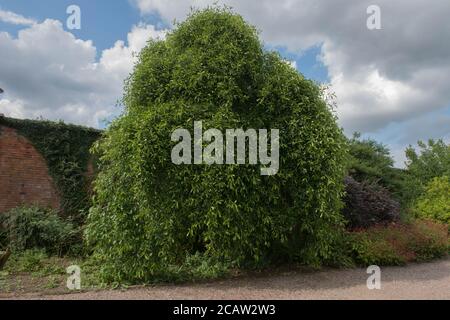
x,y
105,21
391,84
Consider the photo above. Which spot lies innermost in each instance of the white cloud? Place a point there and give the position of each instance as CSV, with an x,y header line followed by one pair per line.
x,y
14,109
121,58
14,18
46,71
381,77
293,64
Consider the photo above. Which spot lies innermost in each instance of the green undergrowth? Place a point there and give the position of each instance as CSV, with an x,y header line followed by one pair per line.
x,y
398,244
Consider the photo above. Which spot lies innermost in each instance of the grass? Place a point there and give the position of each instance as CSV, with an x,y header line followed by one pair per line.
x,y
33,270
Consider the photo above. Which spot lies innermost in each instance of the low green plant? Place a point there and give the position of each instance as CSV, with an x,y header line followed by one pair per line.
x,y
46,271
369,251
27,261
52,282
435,202
398,244
33,227
195,267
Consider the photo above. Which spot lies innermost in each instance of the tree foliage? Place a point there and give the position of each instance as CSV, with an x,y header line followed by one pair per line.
x,y
150,215
431,160
370,162
435,202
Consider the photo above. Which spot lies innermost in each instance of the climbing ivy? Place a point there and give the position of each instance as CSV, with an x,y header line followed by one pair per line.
x,y
65,148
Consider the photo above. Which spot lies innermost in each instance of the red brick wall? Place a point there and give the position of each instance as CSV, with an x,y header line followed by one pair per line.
x,y
24,177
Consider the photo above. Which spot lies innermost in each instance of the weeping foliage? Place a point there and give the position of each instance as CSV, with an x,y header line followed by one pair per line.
x,y
151,216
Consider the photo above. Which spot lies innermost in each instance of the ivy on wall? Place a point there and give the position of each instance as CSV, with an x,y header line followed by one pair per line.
x,y
65,148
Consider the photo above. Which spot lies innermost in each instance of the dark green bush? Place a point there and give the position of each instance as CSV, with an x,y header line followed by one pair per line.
x,y
366,205
150,215
370,162
32,227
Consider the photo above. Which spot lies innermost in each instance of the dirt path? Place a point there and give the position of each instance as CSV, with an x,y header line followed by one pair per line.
x,y
415,281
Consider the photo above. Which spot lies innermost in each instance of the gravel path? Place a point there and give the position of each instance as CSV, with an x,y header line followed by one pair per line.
x,y
415,281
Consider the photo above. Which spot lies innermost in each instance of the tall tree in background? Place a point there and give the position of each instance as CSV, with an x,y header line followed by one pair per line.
x,y
431,160
370,162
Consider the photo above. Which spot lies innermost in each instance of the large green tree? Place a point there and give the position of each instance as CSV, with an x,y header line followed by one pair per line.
x,y
150,215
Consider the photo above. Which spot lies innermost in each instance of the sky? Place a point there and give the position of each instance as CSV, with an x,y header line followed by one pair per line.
x,y
391,84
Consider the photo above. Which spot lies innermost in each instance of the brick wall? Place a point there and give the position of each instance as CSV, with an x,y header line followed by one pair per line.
x,y
24,177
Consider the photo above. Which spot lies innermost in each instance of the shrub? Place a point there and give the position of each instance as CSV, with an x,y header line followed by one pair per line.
x,y
435,202
150,214
32,227
27,261
398,244
366,205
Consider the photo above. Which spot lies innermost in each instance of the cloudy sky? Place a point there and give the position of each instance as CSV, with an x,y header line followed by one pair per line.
x,y
392,84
